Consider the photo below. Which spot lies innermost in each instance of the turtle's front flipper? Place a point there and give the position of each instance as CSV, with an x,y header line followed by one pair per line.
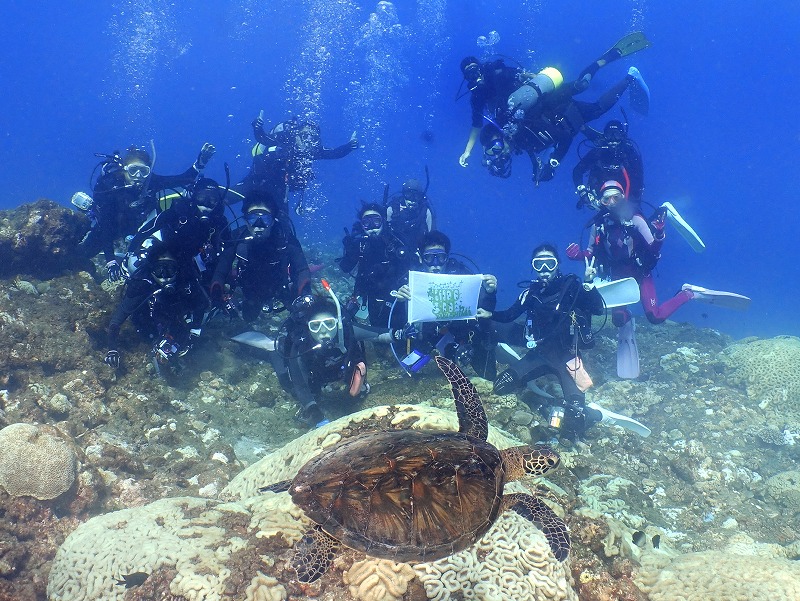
x,y
540,514
471,416
281,486
314,554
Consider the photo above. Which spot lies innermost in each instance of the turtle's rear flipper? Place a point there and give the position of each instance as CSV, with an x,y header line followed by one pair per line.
x,y
314,554
281,486
540,514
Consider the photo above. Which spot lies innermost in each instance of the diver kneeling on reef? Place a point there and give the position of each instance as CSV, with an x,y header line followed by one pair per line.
x,y
558,325
166,305
315,347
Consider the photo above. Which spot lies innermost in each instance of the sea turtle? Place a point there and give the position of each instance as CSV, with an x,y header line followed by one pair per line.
x,y
417,495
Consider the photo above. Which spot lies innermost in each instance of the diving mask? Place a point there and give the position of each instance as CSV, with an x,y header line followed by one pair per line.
x,y
435,258
329,324
137,170
544,264
371,222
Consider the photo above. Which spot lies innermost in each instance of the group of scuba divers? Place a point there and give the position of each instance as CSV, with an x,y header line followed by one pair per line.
x,y
186,262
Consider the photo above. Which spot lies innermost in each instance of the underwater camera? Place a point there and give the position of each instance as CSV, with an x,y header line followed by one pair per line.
x,y
415,361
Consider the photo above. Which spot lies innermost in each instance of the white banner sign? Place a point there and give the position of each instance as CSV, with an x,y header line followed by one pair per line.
x,y
442,297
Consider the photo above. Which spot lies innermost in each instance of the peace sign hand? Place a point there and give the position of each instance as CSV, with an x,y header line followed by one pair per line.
x,y
591,270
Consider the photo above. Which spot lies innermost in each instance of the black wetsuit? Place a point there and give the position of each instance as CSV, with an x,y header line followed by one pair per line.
x,y
490,98
383,262
158,313
180,231
310,367
119,209
556,120
410,223
269,269
549,311
618,161
280,166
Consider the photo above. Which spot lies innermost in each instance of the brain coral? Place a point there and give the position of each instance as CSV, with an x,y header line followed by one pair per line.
x,y
198,538
721,575
36,461
378,579
512,561
768,369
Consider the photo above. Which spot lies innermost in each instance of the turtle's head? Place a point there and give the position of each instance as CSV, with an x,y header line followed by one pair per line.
x,y
534,460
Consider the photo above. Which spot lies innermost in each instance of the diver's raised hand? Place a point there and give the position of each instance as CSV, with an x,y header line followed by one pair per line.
x,y
204,156
591,271
353,142
463,160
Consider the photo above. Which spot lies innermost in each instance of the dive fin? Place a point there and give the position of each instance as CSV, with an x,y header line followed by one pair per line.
x,y
638,92
731,300
623,421
618,293
505,354
684,229
256,340
627,351
630,44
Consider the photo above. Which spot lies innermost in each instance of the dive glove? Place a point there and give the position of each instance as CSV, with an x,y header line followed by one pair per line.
x,y
112,359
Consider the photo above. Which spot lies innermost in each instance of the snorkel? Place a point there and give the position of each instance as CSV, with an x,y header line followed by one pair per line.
x,y
340,329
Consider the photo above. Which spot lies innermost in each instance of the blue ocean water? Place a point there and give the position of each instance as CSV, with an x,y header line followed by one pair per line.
x,y
720,142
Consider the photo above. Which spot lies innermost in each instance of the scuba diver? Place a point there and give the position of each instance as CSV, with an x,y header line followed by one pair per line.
x,y
316,347
613,156
490,84
382,261
269,263
540,112
125,196
166,305
409,214
193,228
283,159
469,342
558,325
554,123
624,244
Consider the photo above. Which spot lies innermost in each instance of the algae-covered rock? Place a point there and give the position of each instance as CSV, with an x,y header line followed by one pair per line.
x,y
40,239
785,489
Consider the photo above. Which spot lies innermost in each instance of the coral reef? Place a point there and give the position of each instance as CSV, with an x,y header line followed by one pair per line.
x,y
769,370
512,561
36,461
722,458
378,580
785,489
154,537
719,575
40,239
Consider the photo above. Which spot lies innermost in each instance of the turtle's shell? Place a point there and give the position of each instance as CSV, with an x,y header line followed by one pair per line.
x,y
405,495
